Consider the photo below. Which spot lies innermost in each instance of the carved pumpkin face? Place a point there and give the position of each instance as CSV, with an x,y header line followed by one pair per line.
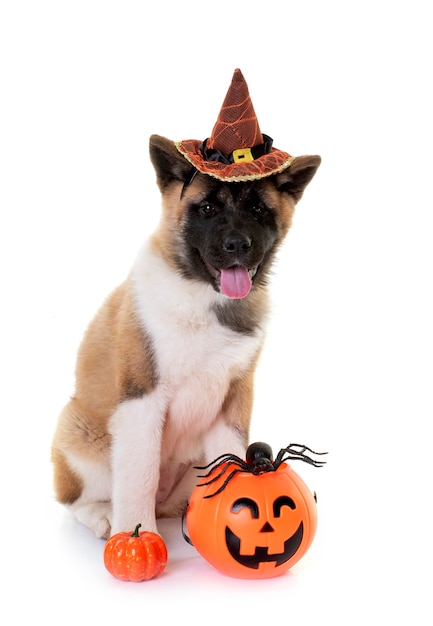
x,y
258,526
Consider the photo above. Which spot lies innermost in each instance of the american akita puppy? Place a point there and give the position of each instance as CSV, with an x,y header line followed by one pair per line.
x,y
164,376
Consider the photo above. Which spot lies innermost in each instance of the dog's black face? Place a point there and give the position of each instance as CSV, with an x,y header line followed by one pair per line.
x,y
230,234
225,233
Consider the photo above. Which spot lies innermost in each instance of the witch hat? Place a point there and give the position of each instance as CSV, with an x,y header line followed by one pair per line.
x,y
237,150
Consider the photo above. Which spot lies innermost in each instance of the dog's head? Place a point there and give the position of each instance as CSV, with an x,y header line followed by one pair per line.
x,y
224,233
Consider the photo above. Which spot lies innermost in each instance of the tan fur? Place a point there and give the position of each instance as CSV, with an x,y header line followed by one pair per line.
x,y
113,361
67,484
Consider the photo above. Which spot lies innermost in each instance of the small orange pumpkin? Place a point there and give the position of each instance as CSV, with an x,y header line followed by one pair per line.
x,y
254,518
135,556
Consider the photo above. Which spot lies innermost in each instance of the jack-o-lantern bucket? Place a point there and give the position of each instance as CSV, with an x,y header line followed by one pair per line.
x,y
251,519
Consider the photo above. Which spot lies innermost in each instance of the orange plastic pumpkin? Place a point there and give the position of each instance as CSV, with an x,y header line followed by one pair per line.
x,y
252,524
135,556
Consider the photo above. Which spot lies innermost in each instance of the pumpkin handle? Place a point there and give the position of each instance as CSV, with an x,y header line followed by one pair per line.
x,y
185,536
136,533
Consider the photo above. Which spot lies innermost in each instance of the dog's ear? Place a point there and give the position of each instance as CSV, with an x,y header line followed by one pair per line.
x,y
168,162
295,178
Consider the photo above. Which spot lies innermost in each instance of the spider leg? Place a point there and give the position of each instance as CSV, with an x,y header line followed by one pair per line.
x,y
296,451
222,458
301,449
224,485
221,473
279,458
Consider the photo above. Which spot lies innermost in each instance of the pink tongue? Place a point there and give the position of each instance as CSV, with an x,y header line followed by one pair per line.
x,y
235,282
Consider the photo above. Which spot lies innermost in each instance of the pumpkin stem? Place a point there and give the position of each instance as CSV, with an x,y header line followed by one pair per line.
x,y
135,533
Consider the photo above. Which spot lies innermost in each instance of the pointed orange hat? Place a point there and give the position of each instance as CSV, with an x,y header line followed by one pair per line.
x,y
237,150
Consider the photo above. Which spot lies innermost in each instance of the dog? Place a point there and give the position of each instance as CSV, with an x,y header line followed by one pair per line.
x,y
164,374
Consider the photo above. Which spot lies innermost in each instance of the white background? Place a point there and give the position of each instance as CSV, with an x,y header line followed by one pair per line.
x,y
348,363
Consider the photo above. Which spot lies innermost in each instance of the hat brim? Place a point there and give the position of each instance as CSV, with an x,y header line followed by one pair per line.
x,y
272,163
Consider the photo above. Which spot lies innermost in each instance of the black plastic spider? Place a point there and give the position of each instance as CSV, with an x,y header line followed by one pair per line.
x,y
258,461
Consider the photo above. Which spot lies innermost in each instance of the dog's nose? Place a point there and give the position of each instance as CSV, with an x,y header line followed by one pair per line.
x,y
237,244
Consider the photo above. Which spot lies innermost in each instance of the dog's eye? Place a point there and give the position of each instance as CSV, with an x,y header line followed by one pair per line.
x,y
258,210
207,209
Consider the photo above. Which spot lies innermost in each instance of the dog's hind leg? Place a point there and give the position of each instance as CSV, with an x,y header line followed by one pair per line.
x,y
95,515
92,507
82,475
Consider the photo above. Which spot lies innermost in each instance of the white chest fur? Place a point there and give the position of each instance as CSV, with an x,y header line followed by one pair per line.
x,y
196,356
